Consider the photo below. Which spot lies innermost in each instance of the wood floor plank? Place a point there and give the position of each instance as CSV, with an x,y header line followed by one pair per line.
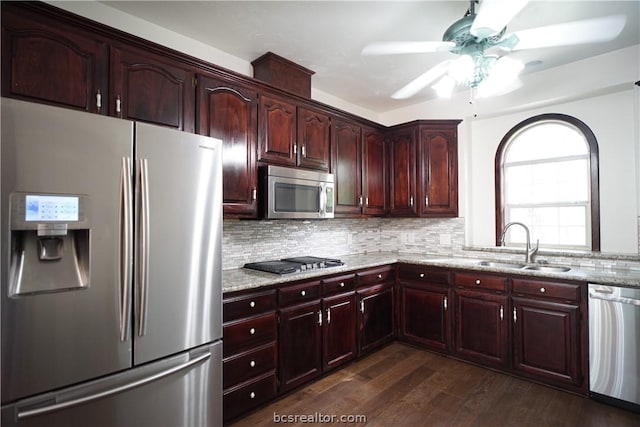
x,y
403,386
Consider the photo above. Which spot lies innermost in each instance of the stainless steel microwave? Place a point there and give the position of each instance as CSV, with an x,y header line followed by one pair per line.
x,y
297,193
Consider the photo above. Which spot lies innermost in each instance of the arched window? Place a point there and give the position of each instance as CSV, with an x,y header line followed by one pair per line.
x,y
547,178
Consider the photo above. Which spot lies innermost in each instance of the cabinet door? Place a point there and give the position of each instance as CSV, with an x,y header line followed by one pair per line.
x,y
313,139
47,62
374,173
438,159
339,330
230,113
347,167
402,171
300,344
546,339
376,319
276,131
481,332
148,88
425,316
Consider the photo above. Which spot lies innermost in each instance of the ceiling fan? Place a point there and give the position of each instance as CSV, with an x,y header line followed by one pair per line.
x,y
482,44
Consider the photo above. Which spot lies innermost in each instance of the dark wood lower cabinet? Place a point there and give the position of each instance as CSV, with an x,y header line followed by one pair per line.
x,y
339,330
376,324
426,318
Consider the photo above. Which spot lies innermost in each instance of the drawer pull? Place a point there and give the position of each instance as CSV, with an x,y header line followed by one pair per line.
x,y
421,275
342,284
252,395
303,293
252,363
252,331
543,290
379,276
477,281
252,304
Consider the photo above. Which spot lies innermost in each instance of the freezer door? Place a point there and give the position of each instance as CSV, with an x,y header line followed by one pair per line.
x,y
178,288
54,339
184,390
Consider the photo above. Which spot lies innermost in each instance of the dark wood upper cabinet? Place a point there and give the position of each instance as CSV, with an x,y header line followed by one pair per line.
x,y
276,130
402,172
374,172
438,171
45,62
230,113
146,88
346,149
313,139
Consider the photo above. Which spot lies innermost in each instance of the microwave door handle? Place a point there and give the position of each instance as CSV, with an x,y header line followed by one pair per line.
x,y
323,201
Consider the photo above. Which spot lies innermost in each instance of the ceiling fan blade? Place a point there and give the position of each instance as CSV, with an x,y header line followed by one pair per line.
x,y
569,33
393,48
494,15
422,81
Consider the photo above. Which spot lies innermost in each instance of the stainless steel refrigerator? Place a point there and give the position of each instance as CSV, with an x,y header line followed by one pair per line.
x,y
111,271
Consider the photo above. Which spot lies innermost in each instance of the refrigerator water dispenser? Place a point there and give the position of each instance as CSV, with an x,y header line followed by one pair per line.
x,y
50,236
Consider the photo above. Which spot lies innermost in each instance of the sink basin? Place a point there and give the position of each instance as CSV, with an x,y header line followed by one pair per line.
x,y
553,268
499,264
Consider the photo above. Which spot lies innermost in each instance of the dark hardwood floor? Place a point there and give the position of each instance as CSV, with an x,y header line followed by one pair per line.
x,y
403,386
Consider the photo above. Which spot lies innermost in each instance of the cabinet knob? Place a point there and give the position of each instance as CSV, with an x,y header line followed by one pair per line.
x,y
477,281
252,304
252,331
252,395
98,100
543,290
342,284
379,276
421,275
252,363
303,293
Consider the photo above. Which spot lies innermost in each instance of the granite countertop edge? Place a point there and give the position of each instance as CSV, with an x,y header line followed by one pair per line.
x,y
240,279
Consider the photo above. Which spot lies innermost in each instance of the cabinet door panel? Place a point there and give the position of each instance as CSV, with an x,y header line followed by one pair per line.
x,y
347,166
425,316
145,88
374,173
313,139
276,131
439,172
339,331
481,332
45,62
300,344
376,325
230,113
402,189
546,340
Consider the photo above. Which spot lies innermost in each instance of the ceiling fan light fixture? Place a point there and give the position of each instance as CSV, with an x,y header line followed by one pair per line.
x,y
462,69
504,72
444,86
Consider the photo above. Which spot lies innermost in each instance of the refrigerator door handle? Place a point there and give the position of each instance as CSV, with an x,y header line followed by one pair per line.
x,y
106,393
126,246
143,267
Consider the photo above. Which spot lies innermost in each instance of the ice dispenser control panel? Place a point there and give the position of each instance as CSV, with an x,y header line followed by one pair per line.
x,y
49,214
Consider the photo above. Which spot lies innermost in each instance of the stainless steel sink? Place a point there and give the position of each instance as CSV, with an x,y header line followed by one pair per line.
x,y
499,264
551,268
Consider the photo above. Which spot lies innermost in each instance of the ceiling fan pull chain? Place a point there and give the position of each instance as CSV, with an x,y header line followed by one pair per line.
x,y
472,101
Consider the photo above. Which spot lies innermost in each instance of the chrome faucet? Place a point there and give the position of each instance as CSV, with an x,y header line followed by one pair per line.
x,y
529,252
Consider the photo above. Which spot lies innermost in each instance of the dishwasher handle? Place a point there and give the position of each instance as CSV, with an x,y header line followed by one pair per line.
x,y
622,300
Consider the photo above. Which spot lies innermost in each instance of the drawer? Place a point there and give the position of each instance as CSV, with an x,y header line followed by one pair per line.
x,y
481,281
377,275
248,333
240,400
541,288
337,284
296,294
417,273
244,366
235,308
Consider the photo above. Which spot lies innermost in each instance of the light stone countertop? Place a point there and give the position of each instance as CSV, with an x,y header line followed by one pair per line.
x,y
242,278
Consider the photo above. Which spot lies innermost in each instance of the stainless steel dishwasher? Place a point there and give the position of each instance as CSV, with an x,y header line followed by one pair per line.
x,y
614,345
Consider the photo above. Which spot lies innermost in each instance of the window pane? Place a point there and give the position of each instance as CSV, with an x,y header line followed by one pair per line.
x,y
546,140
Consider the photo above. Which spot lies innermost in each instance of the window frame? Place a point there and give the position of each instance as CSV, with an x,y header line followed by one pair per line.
x,y
594,183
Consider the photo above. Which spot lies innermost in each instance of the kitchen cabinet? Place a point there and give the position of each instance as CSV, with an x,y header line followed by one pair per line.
x,y
339,344
423,165
313,142
481,325
46,61
547,329
249,351
148,88
346,149
276,130
374,172
376,302
425,307
230,113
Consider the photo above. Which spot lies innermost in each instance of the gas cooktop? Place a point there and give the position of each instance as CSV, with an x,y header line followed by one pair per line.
x,y
294,265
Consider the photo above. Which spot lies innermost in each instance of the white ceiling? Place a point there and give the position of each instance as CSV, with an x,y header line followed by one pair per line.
x,y
328,36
